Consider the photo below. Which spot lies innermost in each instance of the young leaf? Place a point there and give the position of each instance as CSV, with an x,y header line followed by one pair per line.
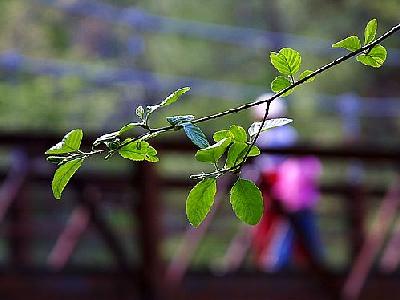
x,y
200,200
174,96
370,31
247,201
351,43
138,151
255,127
287,61
235,154
70,143
140,112
280,83
213,153
63,175
375,57
305,74
195,134
177,120
255,151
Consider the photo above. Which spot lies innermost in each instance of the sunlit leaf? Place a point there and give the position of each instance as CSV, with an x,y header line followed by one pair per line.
x,y
370,31
63,175
280,83
287,61
351,43
255,127
247,201
200,200
375,58
214,152
70,143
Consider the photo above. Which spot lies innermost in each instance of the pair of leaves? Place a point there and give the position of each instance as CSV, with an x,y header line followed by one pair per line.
x,y
245,198
139,151
287,62
236,139
70,143
376,56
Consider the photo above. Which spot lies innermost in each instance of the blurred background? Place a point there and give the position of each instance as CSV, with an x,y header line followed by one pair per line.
x,y
120,231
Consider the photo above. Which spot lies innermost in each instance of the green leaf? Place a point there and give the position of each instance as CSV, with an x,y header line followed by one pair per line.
x,y
63,175
238,132
255,151
223,134
195,134
177,120
255,127
235,154
370,31
213,153
70,143
280,83
304,74
287,61
351,43
200,200
140,112
127,127
139,151
174,96
375,58
247,201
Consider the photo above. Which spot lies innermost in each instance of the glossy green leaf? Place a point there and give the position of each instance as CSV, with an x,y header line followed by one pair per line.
x,y
200,200
174,96
370,31
177,120
247,201
351,43
255,151
375,58
70,143
255,127
280,83
287,61
63,175
139,151
304,74
195,134
214,152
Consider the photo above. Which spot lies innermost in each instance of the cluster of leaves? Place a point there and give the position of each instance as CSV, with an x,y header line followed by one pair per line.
x,y
230,147
375,56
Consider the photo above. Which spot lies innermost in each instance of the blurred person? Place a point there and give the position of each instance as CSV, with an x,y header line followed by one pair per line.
x,y
290,195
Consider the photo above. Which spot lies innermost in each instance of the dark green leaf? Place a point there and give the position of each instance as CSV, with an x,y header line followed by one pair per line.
x,y
370,31
375,58
177,120
213,153
280,83
200,200
174,96
195,134
304,74
63,175
70,143
351,43
247,201
287,61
